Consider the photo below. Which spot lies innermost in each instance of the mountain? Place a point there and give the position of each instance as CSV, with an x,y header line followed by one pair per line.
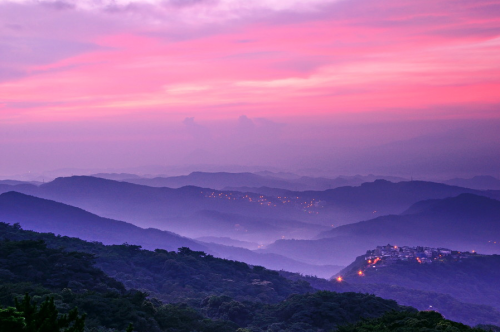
x,y
484,182
225,180
219,180
466,222
48,216
190,211
349,204
116,176
212,294
21,187
468,313
44,215
227,241
202,293
194,212
273,261
344,205
473,278
16,182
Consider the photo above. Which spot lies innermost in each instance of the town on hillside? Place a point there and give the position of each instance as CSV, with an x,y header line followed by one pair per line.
x,y
386,255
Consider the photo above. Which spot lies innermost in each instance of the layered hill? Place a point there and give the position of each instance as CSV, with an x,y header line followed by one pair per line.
x,y
473,279
225,180
483,182
210,294
174,209
219,181
190,211
466,222
381,197
44,215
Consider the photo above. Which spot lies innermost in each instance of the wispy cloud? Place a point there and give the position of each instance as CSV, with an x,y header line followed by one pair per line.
x,y
263,58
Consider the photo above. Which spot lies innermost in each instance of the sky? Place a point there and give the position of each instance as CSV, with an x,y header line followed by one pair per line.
x,y
345,86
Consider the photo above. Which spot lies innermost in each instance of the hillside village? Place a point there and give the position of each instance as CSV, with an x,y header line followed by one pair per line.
x,y
385,255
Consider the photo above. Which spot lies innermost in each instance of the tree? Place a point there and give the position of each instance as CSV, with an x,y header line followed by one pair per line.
x,y
46,318
11,320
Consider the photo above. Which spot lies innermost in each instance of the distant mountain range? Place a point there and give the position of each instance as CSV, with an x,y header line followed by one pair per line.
x,y
191,211
346,205
478,182
251,217
465,222
44,215
226,180
117,176
167,208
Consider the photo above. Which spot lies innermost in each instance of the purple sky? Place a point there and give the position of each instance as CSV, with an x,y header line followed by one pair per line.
x,y
354,86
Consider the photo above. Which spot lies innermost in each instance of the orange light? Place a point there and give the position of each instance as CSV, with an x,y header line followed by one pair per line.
x,y
369,261
360,273
339,279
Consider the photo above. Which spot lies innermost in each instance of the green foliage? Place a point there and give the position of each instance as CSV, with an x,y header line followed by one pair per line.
x,y
46,318
467,313
11,320
300,312
202,293
185,276
423,321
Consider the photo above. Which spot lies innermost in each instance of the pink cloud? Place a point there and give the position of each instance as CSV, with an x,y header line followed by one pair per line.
x,y
341,57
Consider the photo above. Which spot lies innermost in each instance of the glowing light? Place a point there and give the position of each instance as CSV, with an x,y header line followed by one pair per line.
x,y
360,273
339,279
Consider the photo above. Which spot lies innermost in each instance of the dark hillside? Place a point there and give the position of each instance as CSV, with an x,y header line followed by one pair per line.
x,y
73,281
473,279
456,310
48,216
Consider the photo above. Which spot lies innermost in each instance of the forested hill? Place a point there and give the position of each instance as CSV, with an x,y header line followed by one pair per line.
x,y
474,279
29,266
183,276
453,309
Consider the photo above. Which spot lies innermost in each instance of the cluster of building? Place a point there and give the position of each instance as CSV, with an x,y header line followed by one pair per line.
x,y
384,255
310,206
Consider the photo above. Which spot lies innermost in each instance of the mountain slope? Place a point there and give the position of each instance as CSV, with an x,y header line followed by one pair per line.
x,y
213,294
477,182
467,218
48,216
466,222
44,215
177,210
224,180
473,279
218,181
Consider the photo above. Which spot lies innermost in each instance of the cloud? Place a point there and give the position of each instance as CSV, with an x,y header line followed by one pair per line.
x,y
196,130
305,57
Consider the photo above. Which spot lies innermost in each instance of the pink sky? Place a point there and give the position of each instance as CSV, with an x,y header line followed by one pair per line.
x,y
86,71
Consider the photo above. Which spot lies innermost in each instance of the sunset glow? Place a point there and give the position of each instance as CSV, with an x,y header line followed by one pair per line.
x,y
283,63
